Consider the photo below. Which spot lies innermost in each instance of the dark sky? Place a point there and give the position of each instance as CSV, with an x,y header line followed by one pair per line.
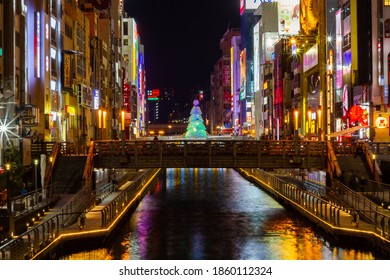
x,y
181,39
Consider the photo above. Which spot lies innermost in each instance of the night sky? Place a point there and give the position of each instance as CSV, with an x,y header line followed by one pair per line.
x,y
181,39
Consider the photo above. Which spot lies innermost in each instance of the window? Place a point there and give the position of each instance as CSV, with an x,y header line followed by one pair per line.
x,y
386,2
81,66
125,42
387,28
80,39
17,39
68,31
126,28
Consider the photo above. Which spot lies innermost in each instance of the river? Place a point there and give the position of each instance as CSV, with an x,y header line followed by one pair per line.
x,y
215,214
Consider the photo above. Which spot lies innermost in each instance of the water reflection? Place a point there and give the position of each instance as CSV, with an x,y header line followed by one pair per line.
x,y
216,214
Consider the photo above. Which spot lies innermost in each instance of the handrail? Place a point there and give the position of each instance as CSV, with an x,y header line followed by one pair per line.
x,y
49,170
343,194
111,211
314,205
30,243
88,170
210,153
83,201
333,164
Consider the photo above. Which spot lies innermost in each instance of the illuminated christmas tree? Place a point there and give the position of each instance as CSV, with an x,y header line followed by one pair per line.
x,y
196,128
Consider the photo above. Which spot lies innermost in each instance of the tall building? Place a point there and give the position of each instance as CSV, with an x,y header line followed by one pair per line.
x,y
221,97
131,54
61,72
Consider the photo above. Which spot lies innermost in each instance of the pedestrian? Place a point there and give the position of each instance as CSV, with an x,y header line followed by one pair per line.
x,y
358,150
82,221
155,138
357,220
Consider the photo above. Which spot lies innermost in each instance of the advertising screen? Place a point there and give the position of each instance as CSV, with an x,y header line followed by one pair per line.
x,y
243,74
251,4
256,56
288,17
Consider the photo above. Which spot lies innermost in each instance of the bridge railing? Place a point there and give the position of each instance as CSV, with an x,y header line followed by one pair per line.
x,y
211,153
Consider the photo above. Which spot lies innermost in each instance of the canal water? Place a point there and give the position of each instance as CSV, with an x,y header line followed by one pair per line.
x,y
215,214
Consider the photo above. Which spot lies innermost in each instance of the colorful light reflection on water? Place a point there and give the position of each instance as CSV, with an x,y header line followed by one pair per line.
x,y
203,214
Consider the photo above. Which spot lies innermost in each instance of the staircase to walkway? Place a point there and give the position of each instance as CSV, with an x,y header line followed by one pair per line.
x,y
355,171
68,174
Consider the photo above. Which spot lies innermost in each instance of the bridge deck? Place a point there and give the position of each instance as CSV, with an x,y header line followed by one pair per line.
x,y
210,153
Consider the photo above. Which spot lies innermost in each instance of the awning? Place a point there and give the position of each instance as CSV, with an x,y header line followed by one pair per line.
x,y
347,131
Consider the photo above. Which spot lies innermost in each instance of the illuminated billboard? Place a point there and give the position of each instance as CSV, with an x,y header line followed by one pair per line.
x,y
251,4
288,17
243,74
269,40
310,58
154,93
256,56
339,51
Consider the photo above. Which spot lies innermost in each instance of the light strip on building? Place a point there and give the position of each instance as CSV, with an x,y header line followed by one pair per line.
x,y
37,47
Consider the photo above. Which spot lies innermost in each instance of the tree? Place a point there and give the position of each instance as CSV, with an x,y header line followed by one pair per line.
x,y
196,128
12,155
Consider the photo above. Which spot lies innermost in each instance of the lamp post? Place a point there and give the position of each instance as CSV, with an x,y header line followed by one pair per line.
x,y
319,117
123,130
296,117
104,124
99,123
11,224
36,180
51,175
309,115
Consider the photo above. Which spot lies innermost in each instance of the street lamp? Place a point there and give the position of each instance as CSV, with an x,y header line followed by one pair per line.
x,y
309,115
51,174
9,206
99,123
319,112
123,130
36,179
296,116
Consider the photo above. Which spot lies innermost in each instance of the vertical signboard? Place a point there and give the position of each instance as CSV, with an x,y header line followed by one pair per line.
x,y
243,74
67,74
226,75
339,52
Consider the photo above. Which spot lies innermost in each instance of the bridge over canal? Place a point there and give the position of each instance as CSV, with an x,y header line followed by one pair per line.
x,y
210,154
